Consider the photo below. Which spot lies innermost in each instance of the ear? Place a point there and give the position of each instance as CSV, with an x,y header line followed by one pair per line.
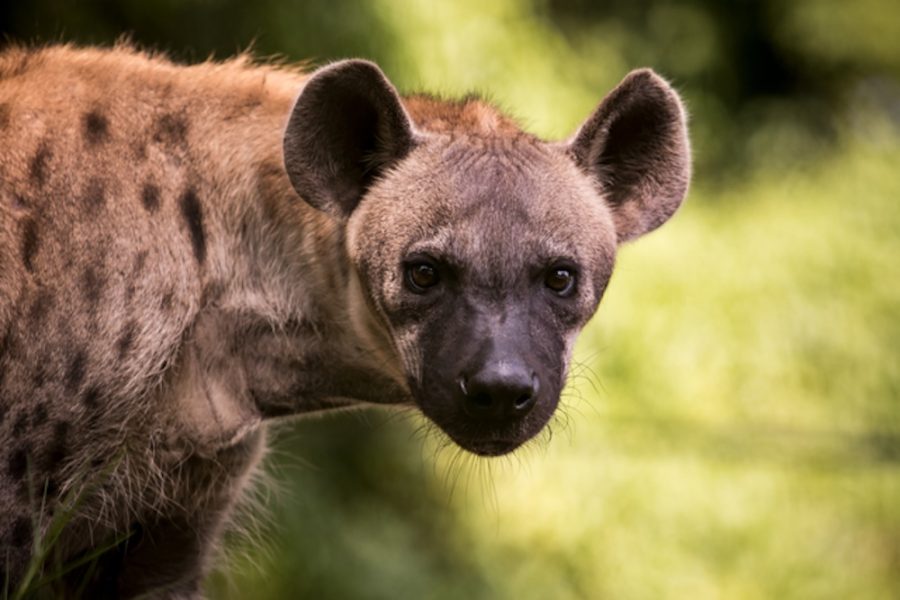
x,y
346,128
636,148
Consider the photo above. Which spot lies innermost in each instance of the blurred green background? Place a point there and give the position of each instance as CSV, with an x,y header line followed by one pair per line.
x,y
732,425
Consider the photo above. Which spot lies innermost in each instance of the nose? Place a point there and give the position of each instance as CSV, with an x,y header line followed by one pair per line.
x,y
499,390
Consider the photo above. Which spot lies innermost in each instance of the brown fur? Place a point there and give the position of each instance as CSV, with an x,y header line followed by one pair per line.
x,y
470,116
164,292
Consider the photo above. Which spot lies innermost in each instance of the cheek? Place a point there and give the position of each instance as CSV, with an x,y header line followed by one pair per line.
x,y
569,342
409,348
431,336
561,315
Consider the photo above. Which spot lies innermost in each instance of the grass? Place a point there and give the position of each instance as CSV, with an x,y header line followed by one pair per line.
x,y
43,575
732,431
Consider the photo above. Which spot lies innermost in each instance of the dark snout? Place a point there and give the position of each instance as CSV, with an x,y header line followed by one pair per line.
x,y
497,393
494,377
498,387
503,388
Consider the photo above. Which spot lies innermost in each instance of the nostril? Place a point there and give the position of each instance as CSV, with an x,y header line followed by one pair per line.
x,y
477,399
523,401
526,400
497,394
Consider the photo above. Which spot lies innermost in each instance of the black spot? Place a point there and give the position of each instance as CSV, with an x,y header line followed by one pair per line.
x,y
20,535
43,301
170,129
20,427
39,416
6,341
192,213
150,197
4,115
37,170
18,463
30,243
96,127
140,259
126,340
129,292
165,303
92,286
91,398
75,372
59,447
94,195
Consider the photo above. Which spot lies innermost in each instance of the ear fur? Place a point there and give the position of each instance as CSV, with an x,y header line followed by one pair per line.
x,y
346,128
635,146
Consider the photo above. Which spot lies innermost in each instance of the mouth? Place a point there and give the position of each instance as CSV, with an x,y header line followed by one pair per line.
x,y
486,437
491,447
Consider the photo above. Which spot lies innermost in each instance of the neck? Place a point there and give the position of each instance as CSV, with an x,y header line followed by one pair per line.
x,y
303,338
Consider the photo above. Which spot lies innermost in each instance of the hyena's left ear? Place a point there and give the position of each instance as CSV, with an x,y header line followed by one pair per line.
x,y
347,126
636,148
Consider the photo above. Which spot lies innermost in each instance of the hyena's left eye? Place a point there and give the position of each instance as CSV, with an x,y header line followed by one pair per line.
x,y
420,276
561,280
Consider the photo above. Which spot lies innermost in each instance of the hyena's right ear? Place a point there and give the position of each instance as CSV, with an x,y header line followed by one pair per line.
x,y
346,128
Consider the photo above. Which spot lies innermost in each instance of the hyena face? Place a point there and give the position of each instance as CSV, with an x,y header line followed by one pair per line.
x,y
480,251
484,281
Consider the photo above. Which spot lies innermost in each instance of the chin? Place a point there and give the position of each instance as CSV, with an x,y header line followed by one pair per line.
x,y
491,447
487,436
489,443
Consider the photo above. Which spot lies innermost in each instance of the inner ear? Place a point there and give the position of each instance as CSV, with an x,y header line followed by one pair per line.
x,y
635,146
347,127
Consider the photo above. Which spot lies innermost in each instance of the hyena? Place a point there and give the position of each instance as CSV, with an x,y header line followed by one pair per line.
x,y
190,252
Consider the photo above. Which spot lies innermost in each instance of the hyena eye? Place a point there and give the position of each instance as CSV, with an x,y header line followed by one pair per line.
x,y
420,276
561,280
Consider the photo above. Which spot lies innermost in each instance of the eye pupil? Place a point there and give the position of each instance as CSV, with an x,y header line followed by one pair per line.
x,y
560,280
421,276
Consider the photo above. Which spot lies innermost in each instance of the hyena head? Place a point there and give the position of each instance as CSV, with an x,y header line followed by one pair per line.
x,y
480,251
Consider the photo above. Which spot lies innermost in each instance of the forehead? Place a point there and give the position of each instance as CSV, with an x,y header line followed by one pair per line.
x,y
489,202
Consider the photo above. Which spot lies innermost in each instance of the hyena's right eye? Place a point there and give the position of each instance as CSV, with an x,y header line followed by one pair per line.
x,y
421,275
